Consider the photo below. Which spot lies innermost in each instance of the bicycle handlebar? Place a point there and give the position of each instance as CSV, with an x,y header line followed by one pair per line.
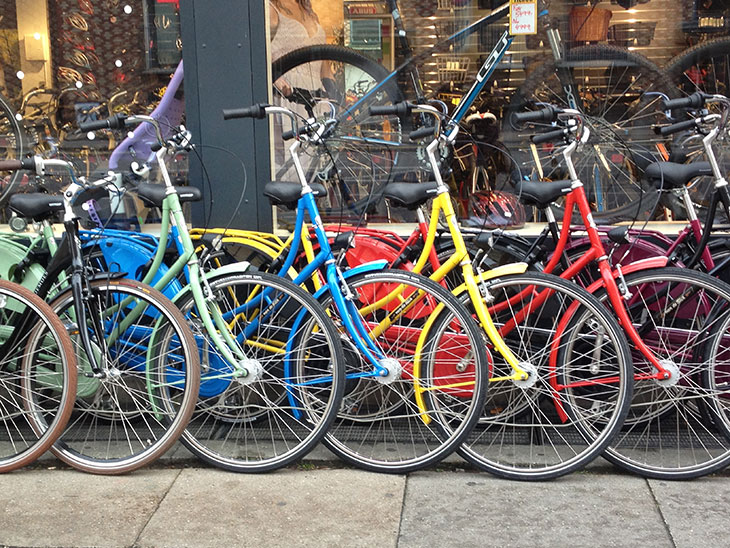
x,y
696,100
399,109
550,136
118,121
676,128
254,111
547,114
15,165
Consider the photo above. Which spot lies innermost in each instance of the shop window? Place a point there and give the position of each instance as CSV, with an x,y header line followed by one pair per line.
x,y
613,59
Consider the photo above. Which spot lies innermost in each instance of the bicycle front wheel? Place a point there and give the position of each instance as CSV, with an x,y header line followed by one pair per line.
x,y
134,408
578,386
429,393
276,411
37,377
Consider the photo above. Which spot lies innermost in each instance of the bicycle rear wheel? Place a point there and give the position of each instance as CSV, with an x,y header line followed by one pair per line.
x,y
282,408
359,151
437,371
579,386
139,404
669,433
37,377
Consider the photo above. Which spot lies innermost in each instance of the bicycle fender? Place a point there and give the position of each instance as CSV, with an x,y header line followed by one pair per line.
x,y
225,270
372,266
127,254
504,270
636,266
12,254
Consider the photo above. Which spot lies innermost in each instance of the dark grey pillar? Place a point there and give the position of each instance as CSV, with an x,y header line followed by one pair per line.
x,y
225,67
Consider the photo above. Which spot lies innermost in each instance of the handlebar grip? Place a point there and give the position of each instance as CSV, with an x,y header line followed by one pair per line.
x,y
422,132
10,165
118,121
290,134
547,114
696,100
254,111
676,128
399,109
550,136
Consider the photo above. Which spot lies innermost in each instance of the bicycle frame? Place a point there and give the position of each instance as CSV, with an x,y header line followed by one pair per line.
x,y
597,253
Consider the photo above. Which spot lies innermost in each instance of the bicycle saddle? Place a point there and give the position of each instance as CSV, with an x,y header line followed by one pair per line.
x,y
287,194
155,194
36,205
668,175
541,193
410,195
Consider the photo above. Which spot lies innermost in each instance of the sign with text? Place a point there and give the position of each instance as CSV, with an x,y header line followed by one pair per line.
x,y
523,17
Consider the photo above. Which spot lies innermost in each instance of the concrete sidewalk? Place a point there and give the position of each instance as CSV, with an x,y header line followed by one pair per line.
x,y
314,504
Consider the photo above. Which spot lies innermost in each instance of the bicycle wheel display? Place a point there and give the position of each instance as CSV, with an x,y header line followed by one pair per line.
x,y
135,407
13,145
291,392
706,68
37,377
620,94
578,388
359,151
434,381
669,433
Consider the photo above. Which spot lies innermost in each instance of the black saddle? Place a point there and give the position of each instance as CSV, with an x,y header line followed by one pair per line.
x,y
668,175
287,194
36,205
541,193
153,195
410,195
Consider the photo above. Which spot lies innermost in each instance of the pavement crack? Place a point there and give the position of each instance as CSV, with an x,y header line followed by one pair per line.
x,y
157,507
661,514
402,510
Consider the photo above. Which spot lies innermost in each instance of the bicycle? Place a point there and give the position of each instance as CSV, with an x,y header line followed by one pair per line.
x,y
261,358
396,367
669,314
620,111
518,378
38,376
139,368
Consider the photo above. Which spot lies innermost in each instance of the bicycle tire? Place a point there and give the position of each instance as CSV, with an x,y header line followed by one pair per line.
x,y
37,377
622,144
381,426
567,412
140,408
275,418
667,434
359,153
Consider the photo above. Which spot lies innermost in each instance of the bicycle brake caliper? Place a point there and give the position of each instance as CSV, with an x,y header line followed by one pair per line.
x,y
625,293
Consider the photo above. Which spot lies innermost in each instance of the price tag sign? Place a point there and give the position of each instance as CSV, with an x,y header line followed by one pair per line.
x,y
522,17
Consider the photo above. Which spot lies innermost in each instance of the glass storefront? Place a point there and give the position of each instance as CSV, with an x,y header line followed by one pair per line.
x,y
613,60
67,61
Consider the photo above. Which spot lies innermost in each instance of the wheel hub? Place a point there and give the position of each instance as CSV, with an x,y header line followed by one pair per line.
x,y
253,368
674,373
394,368
532,376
